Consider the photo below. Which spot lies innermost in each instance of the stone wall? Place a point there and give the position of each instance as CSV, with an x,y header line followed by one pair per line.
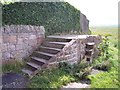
x,y
75,50
19,41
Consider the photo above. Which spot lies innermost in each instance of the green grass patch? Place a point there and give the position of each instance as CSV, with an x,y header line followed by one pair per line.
x,y
54,78
110,78
107,79
12,67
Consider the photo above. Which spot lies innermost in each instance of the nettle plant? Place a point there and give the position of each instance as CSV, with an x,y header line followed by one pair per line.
x,y
104,47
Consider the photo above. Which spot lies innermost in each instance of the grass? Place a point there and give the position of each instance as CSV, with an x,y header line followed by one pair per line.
x,y
112,31
55,78
12,67
107,79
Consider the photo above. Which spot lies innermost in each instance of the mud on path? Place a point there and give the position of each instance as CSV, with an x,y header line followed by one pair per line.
x,y
14,80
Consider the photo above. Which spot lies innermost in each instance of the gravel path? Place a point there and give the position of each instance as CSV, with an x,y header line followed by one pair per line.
x,y
77,85
83,84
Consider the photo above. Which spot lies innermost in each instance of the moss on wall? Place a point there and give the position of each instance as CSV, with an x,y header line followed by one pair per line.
x,y
56,17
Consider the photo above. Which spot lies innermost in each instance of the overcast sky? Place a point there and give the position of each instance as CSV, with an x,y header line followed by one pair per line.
x,y
99,12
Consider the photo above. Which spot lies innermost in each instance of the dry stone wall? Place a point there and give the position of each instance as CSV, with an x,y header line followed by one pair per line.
x,y
19,41
75,50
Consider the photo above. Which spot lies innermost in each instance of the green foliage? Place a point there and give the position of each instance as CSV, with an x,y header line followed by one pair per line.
x,y
54,78
6,1
105,66
104,47
79,71
57,17
12,67
60,76
107,79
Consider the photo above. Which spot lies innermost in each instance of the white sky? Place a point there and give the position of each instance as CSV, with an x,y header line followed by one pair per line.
x,y
98,12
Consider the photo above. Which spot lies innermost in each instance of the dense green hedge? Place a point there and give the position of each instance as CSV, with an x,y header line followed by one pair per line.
x,y
54,16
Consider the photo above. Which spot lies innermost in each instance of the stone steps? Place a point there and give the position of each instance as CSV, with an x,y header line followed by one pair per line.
x,y
42,56
57,49
33,65
60,43
49,50
53,45
40,60
27,71
58,39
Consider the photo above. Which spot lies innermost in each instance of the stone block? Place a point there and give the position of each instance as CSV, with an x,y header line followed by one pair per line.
x,y
6,38
19,47
18,55
11,47
19,41
40,40
33,42
32,37
13,39
3,47
6,55
26,41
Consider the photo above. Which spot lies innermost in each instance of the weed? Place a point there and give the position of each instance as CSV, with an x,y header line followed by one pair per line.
x,y
107,61
13,67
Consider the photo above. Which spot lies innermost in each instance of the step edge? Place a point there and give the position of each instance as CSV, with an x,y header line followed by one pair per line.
x,y
30,64
47,54
41,60
50,48
27,71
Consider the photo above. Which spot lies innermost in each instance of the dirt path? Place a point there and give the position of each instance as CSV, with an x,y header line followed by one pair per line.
x,y
14,80
81,85
76,85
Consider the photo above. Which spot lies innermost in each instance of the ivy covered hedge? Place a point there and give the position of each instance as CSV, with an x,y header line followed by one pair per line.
x,y
54,16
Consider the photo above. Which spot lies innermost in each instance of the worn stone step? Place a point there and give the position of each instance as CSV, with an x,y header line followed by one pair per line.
x,y
61,37
27,71
53,45
58,38
46,54
34,65
40,59
49,50
61,43
43,55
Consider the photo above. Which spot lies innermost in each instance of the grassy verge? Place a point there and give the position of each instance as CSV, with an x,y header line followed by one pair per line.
x,y
107,79
12,67
110,78
51,79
